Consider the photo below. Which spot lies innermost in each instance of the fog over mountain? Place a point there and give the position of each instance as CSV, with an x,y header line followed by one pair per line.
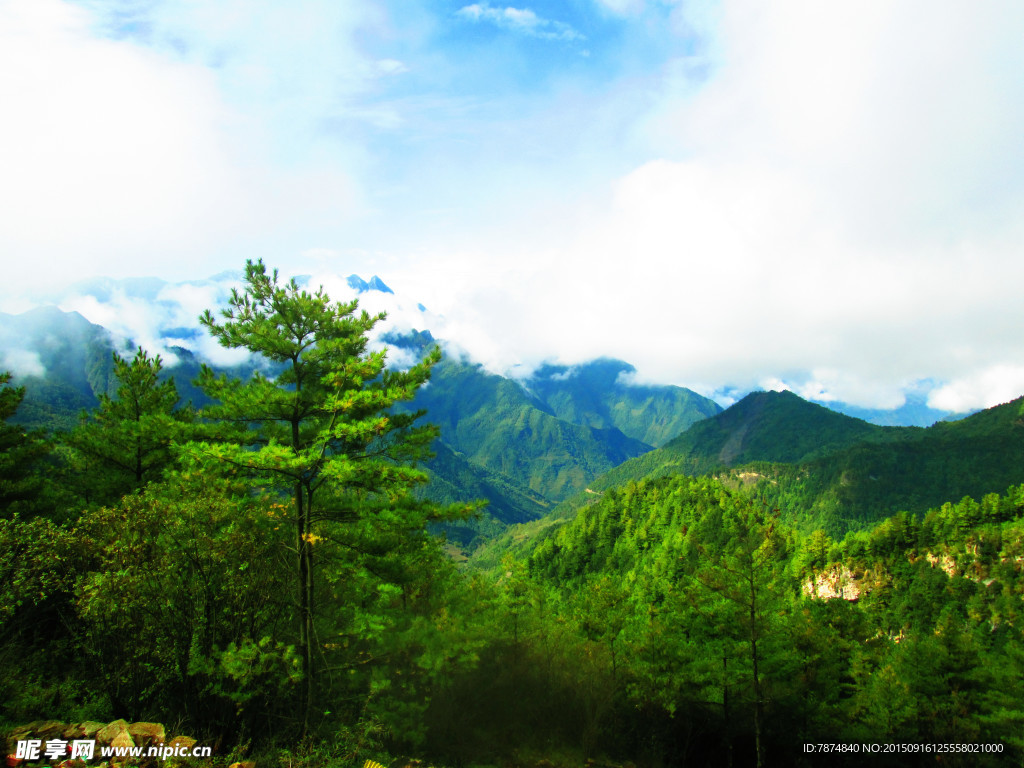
x,y
813,196
162,317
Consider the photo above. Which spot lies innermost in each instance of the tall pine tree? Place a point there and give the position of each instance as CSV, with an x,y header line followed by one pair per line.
x,y
319,429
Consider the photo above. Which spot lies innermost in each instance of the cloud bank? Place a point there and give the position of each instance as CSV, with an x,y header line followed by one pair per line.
x,y
827,197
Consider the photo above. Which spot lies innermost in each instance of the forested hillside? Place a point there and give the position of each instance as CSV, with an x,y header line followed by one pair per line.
x,y
713,617
521,446
763,426
601,394
286,523
835,472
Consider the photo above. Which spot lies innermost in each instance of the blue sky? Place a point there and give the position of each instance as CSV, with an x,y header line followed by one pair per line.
x,y
824,196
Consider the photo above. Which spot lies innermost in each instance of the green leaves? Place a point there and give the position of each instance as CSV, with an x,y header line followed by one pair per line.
x,y
318,429
22,458
127,441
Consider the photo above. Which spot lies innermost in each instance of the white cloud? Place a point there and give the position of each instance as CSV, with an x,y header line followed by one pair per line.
x,y
981,389
845,203
21,362
830,194
129,319
521,20
96,122
622,7
172,157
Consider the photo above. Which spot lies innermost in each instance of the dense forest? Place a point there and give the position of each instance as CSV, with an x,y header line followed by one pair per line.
x,y
268,572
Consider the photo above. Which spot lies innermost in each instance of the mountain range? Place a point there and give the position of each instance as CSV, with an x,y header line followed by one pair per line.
x,y
552,439
523,445
841,472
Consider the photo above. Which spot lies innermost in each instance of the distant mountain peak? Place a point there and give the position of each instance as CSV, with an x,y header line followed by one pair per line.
x,y
359,285
356,283
376,284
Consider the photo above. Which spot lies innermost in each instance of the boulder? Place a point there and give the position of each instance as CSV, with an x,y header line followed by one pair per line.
x,y
184,742
122,740
90,728
85,730
147,734
106,735
50,729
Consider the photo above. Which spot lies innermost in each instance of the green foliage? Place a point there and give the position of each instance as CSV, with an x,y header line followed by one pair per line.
x,y
126,441
693,598
251,674
453,478
840,473
22,457
180,585
321,432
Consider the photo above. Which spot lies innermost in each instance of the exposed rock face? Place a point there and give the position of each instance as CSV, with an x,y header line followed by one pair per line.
x,y
51,729
838,581
945,562
122,740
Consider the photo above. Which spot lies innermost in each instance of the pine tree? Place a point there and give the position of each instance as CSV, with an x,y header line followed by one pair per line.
x,y
742,592
126,442
21,453
320,430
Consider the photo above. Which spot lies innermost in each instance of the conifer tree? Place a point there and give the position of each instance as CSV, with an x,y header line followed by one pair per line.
x,y
126,442
20,454
743,581
319,429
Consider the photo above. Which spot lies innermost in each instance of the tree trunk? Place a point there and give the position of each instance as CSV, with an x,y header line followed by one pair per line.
x,y
305,624
757,680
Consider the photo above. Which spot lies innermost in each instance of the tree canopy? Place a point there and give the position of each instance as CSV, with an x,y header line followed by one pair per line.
x,y
318,427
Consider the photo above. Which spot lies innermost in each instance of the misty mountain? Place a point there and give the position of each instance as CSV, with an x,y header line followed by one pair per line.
x,y
555,431
497,424
915,412
356,283
63,361
600,394
523,446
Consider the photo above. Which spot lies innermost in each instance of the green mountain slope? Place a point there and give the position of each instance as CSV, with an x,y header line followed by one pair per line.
x,y
770,426
983,453
498,425
763,426
830,471
727,614
597,394
69,364
455,479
